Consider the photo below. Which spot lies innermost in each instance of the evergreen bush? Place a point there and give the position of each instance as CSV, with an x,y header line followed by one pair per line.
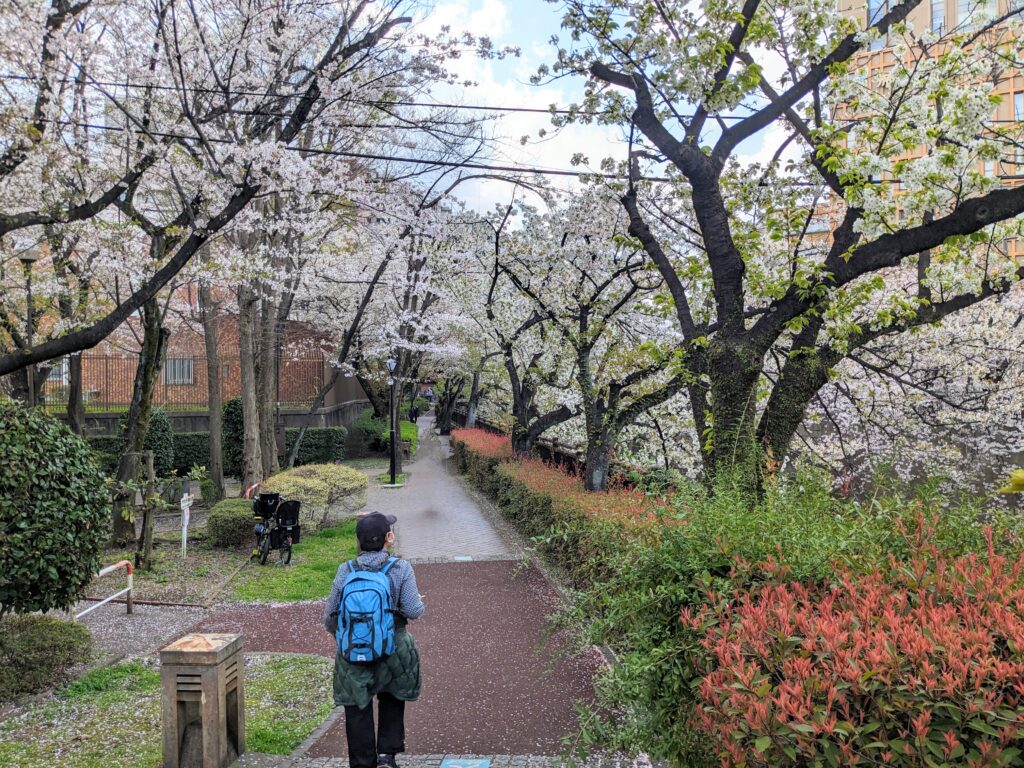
x,y
159,439
191,449
230,523
320,445
54,512
36,652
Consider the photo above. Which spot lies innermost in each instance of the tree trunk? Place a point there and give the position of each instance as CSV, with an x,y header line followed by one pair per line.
x,y
598,463
252,460
208,311
76,409
373,394
266,381
446,405
735,455
151,359
474,401
144,548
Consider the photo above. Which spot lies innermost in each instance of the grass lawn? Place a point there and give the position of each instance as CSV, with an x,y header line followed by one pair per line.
x,y
110,718
384,478
315,560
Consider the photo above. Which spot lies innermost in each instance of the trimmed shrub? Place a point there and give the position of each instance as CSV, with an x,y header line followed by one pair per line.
x,y
318,486
207,489
232,436
106,443
477,453
230,523
915,664
191,449
36,652
54,512
107,462
321,445
159,439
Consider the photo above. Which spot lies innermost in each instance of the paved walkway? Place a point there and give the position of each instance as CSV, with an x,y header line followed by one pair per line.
x,y
494,682
437,518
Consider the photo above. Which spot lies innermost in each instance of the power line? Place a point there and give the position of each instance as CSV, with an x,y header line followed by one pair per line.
x,y
370,156
367,102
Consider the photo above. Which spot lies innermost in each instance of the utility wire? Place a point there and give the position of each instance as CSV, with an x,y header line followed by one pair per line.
x,y
370,156
369,102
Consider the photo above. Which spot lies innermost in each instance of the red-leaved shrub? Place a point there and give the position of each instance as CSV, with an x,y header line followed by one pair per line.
x,y
483,442
919,665
567,493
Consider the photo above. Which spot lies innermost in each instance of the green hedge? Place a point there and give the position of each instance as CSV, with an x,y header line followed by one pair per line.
x,y
321,445
230,523
36,651
159,439
191,449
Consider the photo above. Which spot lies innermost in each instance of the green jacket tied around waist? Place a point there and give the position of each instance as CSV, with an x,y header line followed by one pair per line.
x,y
398,674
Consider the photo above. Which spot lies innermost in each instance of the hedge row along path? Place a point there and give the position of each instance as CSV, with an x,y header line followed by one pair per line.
x,y
493,684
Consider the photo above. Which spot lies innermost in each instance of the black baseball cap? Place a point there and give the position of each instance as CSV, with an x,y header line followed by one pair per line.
x,y
371,530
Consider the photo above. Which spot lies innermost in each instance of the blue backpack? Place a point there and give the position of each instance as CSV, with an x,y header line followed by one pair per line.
x,y
366,624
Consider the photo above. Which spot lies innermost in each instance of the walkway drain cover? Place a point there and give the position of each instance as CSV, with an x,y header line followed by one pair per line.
x,y
465,559
452,762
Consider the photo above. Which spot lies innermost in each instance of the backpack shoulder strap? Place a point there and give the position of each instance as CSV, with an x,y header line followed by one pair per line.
x,y
387,566
353,566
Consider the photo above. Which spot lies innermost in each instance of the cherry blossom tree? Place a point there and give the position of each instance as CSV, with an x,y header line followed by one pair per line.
x,y
882,218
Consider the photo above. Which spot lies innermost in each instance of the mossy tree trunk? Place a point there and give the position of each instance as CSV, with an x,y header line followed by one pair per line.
x,y
151,360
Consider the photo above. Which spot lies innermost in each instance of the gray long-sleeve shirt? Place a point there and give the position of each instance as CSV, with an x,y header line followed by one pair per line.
x,y
405,595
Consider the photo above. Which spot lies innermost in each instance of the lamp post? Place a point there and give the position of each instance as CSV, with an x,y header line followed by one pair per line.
x,y
28,257
391,363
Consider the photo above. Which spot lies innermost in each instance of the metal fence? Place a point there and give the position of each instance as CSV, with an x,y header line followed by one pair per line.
x,y
108,381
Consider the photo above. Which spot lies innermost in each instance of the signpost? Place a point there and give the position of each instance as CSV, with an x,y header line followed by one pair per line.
x,y
186,507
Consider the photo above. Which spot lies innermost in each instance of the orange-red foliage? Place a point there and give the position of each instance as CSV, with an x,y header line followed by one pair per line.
x,y
919,665
485,443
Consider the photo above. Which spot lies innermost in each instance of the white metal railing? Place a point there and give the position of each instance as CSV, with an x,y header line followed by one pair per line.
x,y
126,564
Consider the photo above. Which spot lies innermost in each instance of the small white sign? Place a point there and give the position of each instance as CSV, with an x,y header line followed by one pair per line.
x,y
186,510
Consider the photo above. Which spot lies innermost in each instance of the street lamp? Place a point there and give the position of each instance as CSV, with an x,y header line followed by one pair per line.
x,y
392,363
29,256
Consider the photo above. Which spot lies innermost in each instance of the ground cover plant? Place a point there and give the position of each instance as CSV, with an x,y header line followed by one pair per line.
x,y
110,718
194,579
315,561
635,575
37,650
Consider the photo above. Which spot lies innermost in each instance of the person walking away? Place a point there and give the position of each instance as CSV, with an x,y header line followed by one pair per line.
x,y
414,413
372,600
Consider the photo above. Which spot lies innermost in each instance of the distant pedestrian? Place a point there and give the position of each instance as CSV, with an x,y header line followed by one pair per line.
x,y
429,395
372,599
414,413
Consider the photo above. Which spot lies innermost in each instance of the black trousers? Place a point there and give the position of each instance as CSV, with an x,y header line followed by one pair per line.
x,y
363,744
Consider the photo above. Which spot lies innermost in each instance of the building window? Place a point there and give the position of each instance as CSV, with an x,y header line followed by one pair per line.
x,y
1018,106
876,10
990,168
59,373
939,15
225,371
178,370
963,11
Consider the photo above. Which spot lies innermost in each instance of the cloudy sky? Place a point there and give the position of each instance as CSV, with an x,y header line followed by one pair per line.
x,y
529,25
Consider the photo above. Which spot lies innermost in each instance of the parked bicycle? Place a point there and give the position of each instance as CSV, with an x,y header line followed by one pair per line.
x,y
278,527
